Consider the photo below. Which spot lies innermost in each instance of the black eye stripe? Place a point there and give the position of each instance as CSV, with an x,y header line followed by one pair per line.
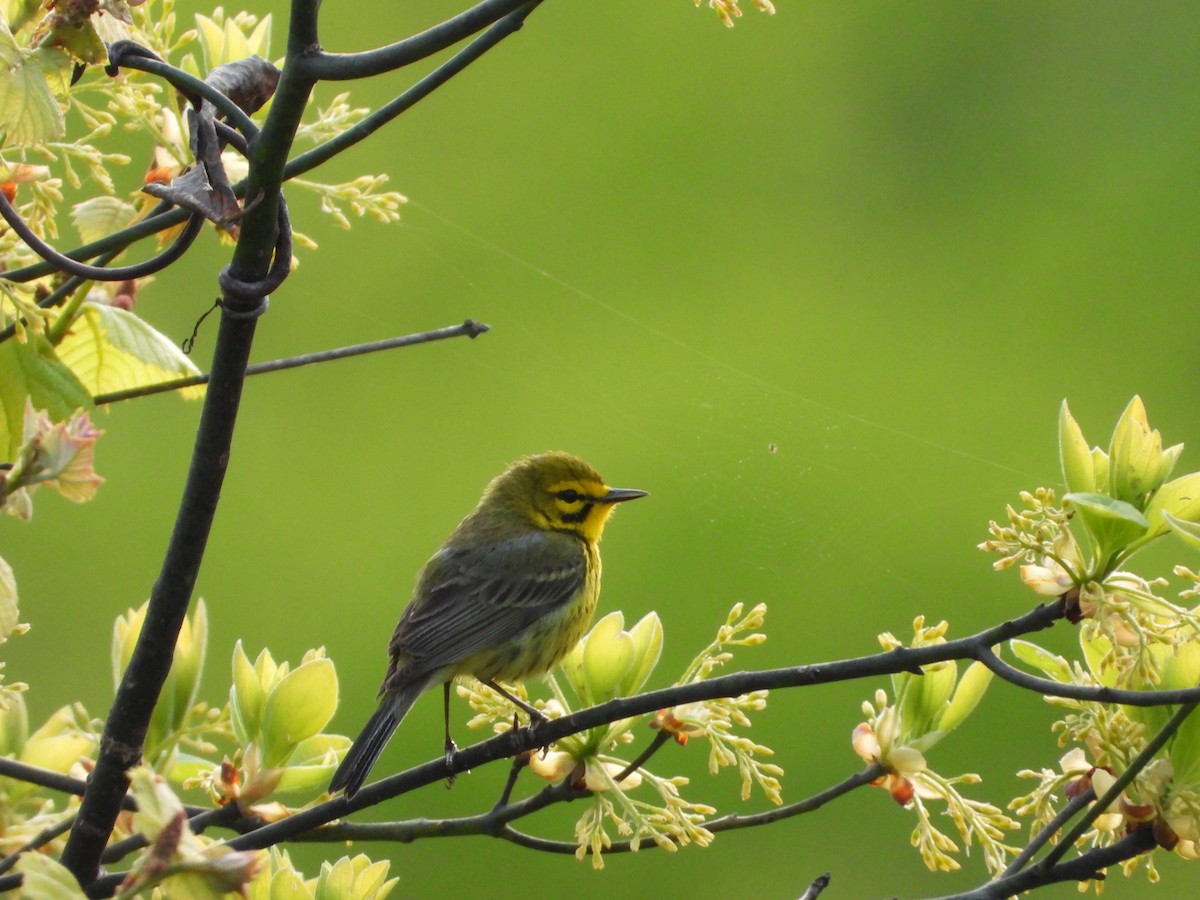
x,y
578,516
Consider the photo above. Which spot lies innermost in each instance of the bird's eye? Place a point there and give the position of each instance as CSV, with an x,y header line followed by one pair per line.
x,y
568,496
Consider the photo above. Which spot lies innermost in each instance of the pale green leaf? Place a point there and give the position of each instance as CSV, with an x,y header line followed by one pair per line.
x,y
8,600
1079,473
46,879
1113,524
312,764
1051,665
110,349
971,688
101,216
32,370
29,114
1188,532
298,708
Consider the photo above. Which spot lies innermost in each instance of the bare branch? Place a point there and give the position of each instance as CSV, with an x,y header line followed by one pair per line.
x,y
469,328
345,66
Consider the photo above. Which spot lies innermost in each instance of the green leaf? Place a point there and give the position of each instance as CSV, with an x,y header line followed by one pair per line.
x,y
1136,465
1188,532
647,637
245,698
1079,474
46,879
1180,498
110,349
607,657
185,766
29,114
312,764
101,216
9,617
32,370
1043,660
971,688
1185,753
924,697
298,708
1113,524
79,39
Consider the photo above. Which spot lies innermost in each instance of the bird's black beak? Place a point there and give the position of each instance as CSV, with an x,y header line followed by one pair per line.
x,y
620,495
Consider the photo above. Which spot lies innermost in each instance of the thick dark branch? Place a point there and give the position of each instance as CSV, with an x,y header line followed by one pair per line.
x,y
419,91
468,328
1084,867
125,728
346,66
1046,686
262,252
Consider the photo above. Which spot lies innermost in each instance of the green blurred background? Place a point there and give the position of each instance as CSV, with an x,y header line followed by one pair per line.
x,y
886,239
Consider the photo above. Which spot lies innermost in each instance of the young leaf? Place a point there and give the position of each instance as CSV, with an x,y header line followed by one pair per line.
x,y
31,370
110,349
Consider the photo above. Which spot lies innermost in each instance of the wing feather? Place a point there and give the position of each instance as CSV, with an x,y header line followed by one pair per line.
x,y
469,600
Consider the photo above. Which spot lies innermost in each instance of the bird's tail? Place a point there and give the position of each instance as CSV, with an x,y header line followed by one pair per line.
x,y
361,757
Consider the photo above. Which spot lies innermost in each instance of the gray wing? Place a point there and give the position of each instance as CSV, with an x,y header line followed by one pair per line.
x,y
468,600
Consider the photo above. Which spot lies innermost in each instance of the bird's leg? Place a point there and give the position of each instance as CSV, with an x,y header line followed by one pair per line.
x,y
450,747
536,716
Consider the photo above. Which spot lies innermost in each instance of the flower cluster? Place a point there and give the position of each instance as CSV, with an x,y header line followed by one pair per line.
x,y
611,662
728,10
1131,637
898,733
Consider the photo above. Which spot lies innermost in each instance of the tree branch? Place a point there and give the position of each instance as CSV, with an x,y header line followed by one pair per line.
x,y
469,328
264,237
1084,867
1111,796
65,262
345,66
367,126
1097,694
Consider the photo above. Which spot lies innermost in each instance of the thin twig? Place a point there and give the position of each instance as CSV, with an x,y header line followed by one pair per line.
x,y
514,772
42,839
65,262
55,781
818,885
660,738
1096,694
1051,828
468,328
729,822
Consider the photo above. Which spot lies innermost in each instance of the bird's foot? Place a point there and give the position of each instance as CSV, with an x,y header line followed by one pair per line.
x,y
536,720
451,750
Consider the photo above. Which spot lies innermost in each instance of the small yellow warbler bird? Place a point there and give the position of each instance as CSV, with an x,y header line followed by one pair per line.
x,y
508,595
